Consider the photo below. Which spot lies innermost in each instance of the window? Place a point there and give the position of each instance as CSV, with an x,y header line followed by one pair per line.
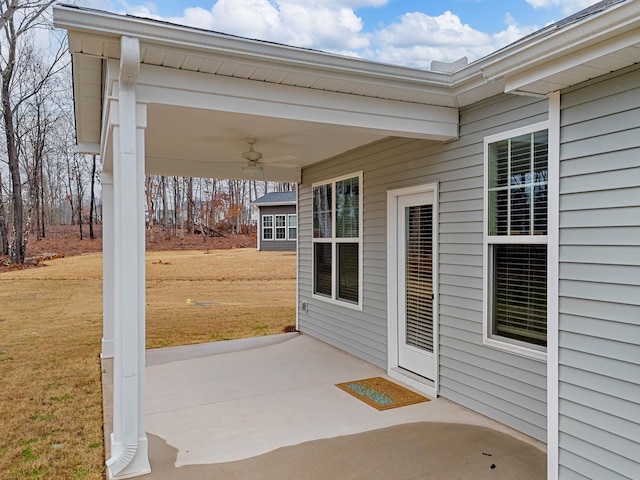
x,y
267,227
337,239
293,226
284,228
281,227
516,239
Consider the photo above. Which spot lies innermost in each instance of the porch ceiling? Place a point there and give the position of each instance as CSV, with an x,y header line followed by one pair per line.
x,y
207,92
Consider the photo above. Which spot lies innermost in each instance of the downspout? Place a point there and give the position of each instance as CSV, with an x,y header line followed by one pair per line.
x,y
129,68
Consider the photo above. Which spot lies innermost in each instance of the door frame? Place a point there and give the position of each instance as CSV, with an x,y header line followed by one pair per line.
x,y
393,368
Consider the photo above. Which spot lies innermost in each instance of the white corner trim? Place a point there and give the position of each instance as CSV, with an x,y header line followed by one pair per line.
x,y
553,253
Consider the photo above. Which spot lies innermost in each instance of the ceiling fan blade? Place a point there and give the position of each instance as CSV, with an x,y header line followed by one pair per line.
x,y
278,158
279,165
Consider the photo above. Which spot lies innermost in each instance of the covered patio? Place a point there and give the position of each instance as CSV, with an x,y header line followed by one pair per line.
x,y
268,407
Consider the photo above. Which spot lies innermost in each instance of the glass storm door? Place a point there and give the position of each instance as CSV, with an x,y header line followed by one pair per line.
x,y
415,284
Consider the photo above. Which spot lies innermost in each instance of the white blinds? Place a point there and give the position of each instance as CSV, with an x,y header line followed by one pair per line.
x,y
520,292
419,276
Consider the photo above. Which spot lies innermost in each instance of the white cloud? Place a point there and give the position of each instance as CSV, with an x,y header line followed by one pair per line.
x,y
329,25
414,39
566,6
417,39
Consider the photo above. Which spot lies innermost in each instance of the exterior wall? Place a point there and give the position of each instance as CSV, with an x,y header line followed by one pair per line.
x,y
275,245
599,318
507,387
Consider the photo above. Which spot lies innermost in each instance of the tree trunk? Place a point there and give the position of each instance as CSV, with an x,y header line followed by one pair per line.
x,y
4,234
190,204
42,214
150,207
16,250
93,197
165,216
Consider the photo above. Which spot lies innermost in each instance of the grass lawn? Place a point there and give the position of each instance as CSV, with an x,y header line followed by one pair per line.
x,y
50,337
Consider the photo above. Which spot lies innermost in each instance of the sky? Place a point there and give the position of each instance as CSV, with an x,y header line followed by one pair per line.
x,y
400,32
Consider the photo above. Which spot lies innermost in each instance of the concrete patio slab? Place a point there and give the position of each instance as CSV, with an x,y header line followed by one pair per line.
x,y
242,404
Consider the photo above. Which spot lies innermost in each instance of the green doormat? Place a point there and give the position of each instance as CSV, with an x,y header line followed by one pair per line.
x,y
382,394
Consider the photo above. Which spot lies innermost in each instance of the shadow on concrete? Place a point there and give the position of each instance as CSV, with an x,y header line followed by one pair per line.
x,y
424,450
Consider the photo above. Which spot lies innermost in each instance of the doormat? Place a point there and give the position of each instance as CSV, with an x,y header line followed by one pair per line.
x,y
382,394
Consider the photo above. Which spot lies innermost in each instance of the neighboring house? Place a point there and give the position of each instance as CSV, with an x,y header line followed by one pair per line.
x,y
473,229
277,222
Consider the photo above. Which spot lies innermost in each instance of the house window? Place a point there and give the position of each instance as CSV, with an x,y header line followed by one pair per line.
x,y
281,227
267,227
337,239
516,239
293,226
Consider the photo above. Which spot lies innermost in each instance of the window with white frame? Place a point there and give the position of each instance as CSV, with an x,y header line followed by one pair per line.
x,y
516,182
267,227
293,226
337,239
281,227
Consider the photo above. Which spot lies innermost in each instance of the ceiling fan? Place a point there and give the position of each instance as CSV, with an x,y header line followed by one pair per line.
x,y
255,160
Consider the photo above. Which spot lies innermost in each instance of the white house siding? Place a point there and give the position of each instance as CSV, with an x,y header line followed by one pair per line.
x,y
509,388
599,338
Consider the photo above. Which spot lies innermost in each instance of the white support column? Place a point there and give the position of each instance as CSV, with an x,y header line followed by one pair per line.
x,y
129,446
108,254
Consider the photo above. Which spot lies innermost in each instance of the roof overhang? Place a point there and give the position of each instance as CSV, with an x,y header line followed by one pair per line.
x,y
206,92
559,57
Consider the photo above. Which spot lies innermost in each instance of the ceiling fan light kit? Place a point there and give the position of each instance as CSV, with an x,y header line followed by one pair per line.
x,y
255,161
252,169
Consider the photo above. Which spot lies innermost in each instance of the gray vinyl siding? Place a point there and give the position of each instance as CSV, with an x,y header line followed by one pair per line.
x,y
599,280
506,387
276,245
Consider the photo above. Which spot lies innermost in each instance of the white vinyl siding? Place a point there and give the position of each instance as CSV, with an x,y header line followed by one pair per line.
x,y
501,385
599,280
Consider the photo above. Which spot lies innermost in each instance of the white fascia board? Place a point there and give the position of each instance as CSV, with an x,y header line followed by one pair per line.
x,y
107,24
561,45
376,115
540,72
273,204
87,148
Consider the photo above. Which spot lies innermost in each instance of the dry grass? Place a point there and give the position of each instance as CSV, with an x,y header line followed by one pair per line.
x,y
50,331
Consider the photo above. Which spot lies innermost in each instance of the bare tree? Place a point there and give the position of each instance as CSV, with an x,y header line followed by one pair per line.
x,y
17,18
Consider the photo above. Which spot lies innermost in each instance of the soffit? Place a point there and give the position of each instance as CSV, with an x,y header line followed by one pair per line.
x,y
550,60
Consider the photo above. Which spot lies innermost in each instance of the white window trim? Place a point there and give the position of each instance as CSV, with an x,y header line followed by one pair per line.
x,y
487,338
289,227
333,240
275,227
272,228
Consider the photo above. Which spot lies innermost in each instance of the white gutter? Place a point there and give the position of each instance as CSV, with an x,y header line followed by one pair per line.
x,y
549,45
108,24
129,457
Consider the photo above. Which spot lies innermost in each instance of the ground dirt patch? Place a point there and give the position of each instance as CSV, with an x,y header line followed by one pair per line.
x,y
51,329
